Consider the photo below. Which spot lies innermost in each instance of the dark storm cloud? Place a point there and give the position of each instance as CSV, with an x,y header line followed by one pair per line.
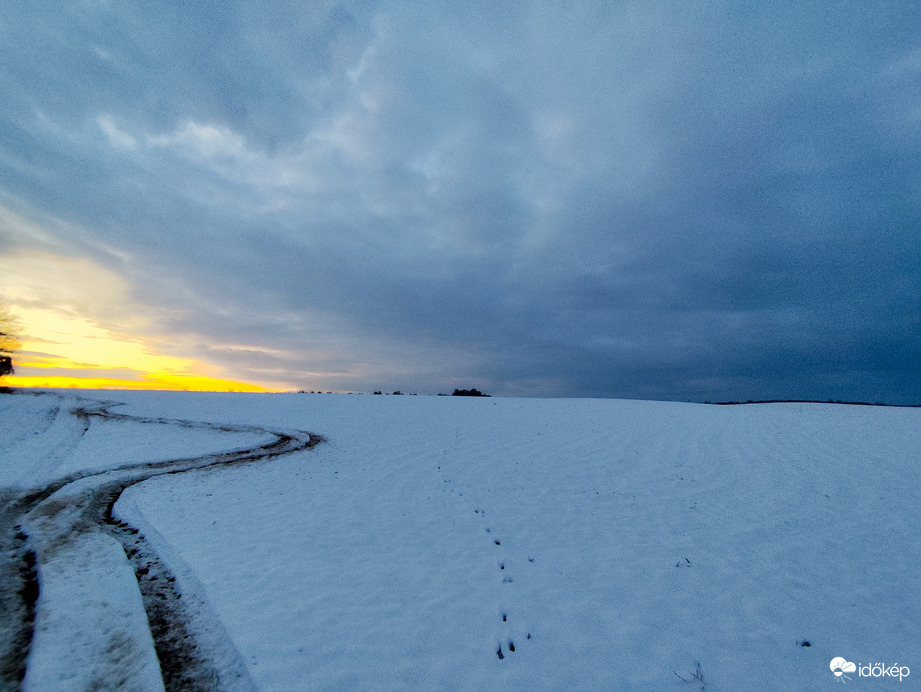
x,y
680,201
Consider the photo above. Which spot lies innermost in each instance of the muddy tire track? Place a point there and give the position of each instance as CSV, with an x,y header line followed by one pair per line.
x,y
18,594
82,503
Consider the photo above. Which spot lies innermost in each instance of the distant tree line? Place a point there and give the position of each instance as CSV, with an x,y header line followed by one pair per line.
x,y
468,392
378,392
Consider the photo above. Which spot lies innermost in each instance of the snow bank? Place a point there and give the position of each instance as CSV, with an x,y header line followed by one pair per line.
x,y
39,433
91,631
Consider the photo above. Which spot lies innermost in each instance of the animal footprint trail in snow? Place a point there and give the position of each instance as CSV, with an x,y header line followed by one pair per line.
x,y
510,630
505,640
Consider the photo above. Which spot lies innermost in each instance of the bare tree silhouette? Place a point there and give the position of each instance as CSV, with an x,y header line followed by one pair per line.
x,y
9,340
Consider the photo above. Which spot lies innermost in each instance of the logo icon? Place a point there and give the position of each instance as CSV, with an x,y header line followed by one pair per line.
x,y
840,666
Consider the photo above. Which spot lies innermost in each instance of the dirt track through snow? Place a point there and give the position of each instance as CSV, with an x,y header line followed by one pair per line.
x,y
46,533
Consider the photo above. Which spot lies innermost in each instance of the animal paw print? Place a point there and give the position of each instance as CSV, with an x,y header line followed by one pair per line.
x,y
506,643
510,648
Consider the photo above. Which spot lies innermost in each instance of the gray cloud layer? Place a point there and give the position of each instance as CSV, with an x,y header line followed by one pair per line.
x,y
682,201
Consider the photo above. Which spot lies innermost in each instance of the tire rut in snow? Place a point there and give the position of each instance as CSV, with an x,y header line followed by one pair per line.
x,y
184,665
18,584
17,597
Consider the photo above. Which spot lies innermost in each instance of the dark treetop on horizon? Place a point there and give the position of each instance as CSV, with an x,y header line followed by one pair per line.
x,y
9,341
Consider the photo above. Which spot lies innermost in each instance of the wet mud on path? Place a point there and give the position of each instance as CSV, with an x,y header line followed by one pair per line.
x,y
39,524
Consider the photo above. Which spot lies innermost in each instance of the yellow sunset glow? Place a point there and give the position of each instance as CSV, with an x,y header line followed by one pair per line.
x,y
155,381
73,352
67,309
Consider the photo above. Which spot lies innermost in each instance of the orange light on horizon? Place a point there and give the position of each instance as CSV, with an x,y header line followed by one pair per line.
x,y
79,325
186,383
84,355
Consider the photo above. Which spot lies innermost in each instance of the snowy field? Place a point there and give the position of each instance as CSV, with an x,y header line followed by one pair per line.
x,y
449,543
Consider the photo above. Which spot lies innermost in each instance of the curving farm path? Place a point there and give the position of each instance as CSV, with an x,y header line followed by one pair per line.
x,y
80,590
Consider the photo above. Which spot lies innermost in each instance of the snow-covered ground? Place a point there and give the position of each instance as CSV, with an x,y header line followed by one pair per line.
x,y
42,440
524,544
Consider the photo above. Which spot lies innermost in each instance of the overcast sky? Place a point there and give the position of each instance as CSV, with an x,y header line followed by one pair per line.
x,y
688,200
